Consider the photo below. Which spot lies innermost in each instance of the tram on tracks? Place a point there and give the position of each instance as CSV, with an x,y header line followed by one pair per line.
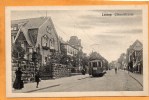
x,y
97,68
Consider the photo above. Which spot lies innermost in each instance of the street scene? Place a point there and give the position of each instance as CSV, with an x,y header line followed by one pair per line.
x,y
122,81
76,50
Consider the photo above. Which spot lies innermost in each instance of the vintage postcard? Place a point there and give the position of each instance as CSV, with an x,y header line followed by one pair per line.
x,y
73,51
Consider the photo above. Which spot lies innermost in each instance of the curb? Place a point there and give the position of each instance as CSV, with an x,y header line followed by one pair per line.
x,y
42,88
135,79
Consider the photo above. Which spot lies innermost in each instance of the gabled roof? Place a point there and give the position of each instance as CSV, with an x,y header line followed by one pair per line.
x,y
25,24
62,41
31,22
137,45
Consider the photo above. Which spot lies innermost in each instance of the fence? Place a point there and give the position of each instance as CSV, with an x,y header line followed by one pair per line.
x,y
60,70
27,69
47,72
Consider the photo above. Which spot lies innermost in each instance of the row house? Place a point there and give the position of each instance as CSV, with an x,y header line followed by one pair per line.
x,y
35,35
134,57
73,46
71,50
75,42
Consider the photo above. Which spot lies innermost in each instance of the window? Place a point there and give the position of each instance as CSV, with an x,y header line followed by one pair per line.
x,y
33,33
13,39
52,42
94,64
22,44
15,28
99,64
45,40
30,50
68,50
49,29
46,59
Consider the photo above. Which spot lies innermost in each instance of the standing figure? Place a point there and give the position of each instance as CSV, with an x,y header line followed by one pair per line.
x,y
18,83
37,78
115,70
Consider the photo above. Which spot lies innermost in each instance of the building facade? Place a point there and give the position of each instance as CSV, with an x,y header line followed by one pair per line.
x,y
73,46
36,36
75,42
134,57
74,50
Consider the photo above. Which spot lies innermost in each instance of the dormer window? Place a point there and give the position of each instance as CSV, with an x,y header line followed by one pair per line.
x,y
22,44
45,40
49,29
51,43
30,50
15,28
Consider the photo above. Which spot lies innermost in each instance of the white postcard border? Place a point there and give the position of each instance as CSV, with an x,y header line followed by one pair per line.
x,y
76,94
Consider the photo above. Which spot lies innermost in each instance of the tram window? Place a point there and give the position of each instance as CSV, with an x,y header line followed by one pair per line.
x,y
89,63
24,66
99,64
94,64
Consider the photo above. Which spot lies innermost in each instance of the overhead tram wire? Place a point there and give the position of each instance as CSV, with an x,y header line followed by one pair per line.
x,y
78,25
57,27
54,23
82,30
60,29
85,33
63,31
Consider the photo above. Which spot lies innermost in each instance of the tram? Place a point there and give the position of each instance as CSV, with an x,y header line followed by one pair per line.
x,y
96,68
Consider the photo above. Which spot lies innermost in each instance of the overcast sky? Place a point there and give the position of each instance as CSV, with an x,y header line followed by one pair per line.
x,y
108,35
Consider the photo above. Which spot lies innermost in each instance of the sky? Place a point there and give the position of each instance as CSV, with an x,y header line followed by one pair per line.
x,y
108,35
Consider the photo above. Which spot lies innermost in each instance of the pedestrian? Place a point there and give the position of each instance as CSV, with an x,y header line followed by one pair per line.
x,y
83,71
18,83
115,70
37,78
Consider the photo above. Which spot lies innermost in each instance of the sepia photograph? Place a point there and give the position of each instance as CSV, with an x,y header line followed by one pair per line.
x,y
72,51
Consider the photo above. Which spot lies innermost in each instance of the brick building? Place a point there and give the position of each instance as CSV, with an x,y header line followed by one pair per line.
x,y
36,35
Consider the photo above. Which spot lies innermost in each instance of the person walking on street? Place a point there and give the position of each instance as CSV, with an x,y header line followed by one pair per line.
x,y
115,70
37,78
18,83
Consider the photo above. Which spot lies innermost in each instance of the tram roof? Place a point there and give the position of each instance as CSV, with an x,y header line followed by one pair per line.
x,y
95,60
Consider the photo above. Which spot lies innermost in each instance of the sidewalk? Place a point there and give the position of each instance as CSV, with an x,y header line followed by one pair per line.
x,y
137,77
31,87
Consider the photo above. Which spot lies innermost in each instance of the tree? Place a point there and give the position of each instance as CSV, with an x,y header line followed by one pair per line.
x,y
55,57
85,60
64,59
121,59
95,56
63,50
17,51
